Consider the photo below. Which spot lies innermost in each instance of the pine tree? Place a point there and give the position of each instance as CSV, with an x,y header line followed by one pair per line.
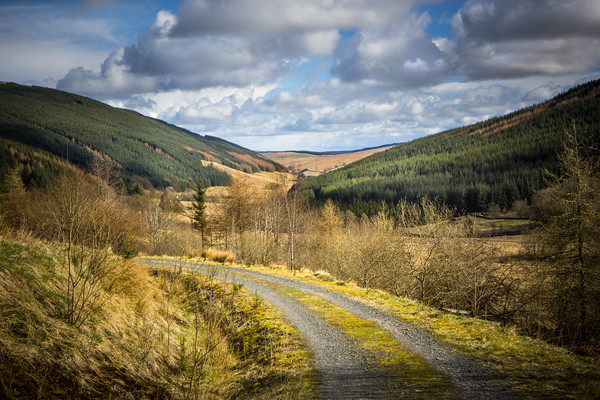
x,y
12,182
199,209
572,232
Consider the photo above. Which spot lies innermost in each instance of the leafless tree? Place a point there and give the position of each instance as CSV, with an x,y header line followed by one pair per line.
x,y
81,215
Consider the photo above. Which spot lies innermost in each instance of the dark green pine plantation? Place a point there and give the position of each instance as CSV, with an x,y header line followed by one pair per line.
x,y
35,120
497,161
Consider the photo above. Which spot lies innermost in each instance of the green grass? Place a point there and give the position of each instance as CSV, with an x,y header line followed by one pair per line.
x,y
421,381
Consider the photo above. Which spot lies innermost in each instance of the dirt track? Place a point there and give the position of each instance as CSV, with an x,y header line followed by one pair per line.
x,y
347,370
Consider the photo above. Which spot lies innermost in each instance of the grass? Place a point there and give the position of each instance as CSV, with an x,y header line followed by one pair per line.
x,y
485,226
143,342
421,381
537,369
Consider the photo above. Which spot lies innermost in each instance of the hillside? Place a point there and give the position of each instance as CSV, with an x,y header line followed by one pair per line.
x,y
312,164
496,161
150,334
80,129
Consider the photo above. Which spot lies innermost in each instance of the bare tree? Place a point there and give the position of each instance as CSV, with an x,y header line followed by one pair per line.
x,y
295,205
161,219
81,219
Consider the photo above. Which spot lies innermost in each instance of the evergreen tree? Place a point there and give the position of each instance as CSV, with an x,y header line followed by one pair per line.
x,y
199,209
571,216
12,181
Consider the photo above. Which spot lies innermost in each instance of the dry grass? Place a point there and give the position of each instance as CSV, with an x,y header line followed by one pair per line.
x,y
142,343
316,164
258,180
220,256
42,353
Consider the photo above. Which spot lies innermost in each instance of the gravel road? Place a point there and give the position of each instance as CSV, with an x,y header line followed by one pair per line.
x,y
346,370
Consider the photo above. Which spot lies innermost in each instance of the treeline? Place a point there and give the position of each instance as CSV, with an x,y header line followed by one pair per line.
x,y
492,163
150,151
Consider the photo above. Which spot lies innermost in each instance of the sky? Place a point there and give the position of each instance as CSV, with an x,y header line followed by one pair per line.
x,y
313,75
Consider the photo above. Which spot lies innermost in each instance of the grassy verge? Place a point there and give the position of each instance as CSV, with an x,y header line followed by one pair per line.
x,y
271,361
153,336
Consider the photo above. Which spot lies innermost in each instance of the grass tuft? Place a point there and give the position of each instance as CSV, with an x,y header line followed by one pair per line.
x,y
219,256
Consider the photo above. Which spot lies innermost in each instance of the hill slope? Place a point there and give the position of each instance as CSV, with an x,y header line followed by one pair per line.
x,y
80,129
496,161
312,164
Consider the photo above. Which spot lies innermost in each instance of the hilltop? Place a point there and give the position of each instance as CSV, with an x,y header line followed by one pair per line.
x,y
316,163
494,162
36,122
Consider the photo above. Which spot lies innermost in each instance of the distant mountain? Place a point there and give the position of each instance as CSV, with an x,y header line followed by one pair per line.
x,y
37,121
312,163
496,161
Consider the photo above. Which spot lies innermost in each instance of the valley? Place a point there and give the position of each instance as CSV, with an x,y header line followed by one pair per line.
x,y
204,268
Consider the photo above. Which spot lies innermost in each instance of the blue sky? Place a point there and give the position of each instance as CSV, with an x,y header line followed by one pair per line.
x,y
305,75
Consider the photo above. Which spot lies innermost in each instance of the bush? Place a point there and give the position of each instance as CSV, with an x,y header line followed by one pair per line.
x,y
220,256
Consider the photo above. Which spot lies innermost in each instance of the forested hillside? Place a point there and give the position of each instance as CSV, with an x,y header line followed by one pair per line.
x,y
496,161
80,129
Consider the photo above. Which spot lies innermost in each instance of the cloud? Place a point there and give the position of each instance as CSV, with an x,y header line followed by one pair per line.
x,y
383,44
113,80
398,55
513,38
211,43
259,19
543,93
42,42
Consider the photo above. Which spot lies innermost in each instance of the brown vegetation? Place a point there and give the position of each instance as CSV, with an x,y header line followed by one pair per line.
x,y
315,164
544,281
158,335
81,320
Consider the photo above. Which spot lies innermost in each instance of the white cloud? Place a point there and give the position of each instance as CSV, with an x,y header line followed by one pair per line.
x,y
417,108
40,42
113,79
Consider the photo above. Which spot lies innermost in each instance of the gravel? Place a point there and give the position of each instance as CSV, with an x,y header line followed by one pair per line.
x,y
345,369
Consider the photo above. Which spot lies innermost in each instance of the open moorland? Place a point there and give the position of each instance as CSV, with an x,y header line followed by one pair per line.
x,y
311,163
